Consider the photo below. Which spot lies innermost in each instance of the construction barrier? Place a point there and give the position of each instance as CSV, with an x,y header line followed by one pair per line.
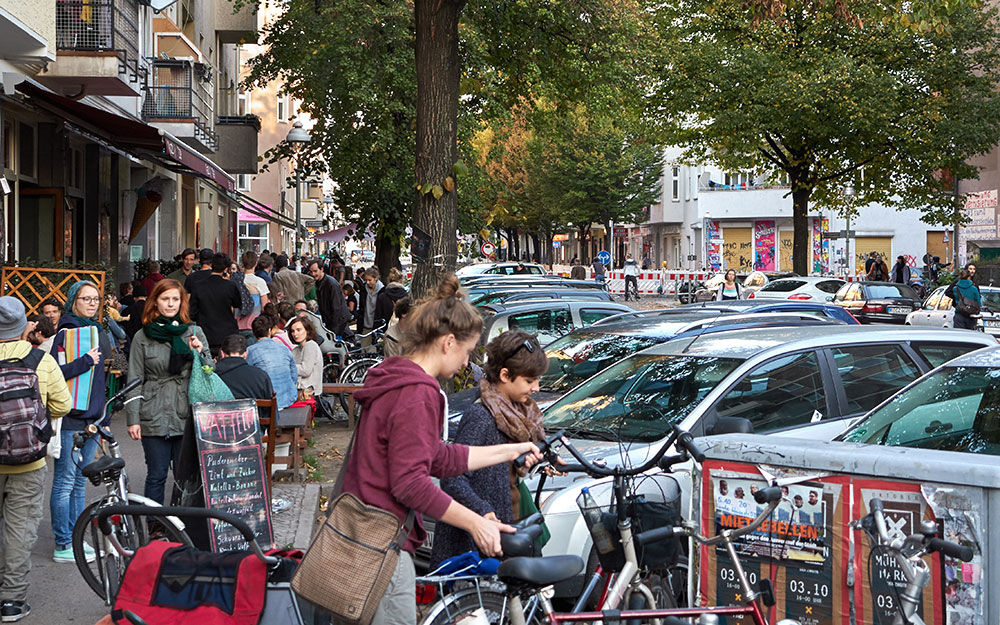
x,y
655,282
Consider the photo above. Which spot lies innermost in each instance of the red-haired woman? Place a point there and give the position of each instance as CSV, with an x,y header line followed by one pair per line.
x,y
162,357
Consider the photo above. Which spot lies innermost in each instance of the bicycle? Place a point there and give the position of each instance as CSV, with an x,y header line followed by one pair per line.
x,y
349,363
908,554
128,532
620,570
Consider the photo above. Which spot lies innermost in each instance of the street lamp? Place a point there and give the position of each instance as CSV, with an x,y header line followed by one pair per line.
x,y
298,134
327,209
849,194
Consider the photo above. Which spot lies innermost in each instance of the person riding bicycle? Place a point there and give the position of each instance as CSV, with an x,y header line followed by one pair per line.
x,y
398,448
22,486
504,413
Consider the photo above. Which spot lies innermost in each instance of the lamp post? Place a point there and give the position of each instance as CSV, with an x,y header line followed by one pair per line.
x,y
849,196
327,208
298,135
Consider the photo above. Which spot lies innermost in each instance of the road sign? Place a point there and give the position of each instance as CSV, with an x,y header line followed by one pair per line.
x,y
604,256
849,234
556,244
487,248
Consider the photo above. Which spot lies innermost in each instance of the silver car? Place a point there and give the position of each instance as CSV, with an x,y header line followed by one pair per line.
x,y
938,311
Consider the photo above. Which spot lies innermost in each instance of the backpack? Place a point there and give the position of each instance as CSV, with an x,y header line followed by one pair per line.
x,y
25,429
246,300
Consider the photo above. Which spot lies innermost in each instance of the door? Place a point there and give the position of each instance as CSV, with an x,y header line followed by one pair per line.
x,y
785,240
737,249
40,224
867,375
927,314
936,246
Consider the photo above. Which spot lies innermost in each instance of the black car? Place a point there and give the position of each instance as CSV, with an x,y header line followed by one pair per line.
x,y
877,302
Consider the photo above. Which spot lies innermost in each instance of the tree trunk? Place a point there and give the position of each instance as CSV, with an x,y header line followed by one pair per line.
x,y
386,253
438,73
536,248
581,243
801,253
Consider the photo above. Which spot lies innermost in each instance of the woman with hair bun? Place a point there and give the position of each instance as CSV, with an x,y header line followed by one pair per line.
x,y
398,447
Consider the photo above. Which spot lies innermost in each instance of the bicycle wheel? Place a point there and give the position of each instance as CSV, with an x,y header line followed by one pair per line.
x,y
355,373
104,574
453,607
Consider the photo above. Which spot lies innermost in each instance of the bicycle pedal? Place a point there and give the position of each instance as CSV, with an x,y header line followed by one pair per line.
x,y
766,590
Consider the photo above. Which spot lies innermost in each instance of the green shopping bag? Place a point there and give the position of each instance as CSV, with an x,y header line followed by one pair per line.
x,y
205,385
526,507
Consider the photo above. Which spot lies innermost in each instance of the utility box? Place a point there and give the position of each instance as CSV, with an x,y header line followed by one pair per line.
x,y
823,571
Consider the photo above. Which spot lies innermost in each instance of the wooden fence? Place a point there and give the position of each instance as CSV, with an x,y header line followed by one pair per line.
x,y
34,285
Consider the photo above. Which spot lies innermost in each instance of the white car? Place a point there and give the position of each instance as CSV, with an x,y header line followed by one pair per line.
x,y
805,288
502,268
939,311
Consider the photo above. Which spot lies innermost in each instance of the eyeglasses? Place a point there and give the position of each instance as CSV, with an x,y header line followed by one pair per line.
x,y
89,300
528,344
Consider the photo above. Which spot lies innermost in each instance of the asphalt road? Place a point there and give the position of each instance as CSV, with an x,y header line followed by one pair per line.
x,y
57,593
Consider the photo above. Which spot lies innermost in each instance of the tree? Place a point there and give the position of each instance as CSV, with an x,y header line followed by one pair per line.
x,y
878,99
351,65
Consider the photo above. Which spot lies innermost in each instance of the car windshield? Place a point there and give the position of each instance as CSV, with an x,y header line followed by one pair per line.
x,y
991,300
881,291
637,399
783,286
578,356
953,409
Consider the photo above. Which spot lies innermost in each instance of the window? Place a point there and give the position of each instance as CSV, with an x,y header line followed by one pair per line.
x,y
548,324
675,193
783,286
781,393
939,353
737,180
933,300
593,315
243,182
283,108
954,409
578,356
243,103
884,291
829,286
26,150
872,373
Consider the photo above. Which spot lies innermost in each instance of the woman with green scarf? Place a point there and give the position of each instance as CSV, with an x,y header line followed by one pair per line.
x,y
162,355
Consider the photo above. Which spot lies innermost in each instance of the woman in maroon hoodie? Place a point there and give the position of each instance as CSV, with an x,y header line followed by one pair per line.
x,y
398,446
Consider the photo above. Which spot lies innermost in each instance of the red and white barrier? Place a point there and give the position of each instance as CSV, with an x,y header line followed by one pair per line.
x,y
655,282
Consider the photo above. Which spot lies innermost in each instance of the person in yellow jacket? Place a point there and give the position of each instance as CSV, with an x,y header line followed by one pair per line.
x,y
22,485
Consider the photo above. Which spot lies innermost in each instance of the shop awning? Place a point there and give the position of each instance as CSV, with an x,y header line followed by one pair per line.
x,y
260,211
246,215
340,234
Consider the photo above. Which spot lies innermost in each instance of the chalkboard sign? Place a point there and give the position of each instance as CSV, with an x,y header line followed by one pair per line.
x,y
232,471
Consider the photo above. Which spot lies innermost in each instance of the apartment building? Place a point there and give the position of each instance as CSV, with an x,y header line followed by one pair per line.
x,y
121,129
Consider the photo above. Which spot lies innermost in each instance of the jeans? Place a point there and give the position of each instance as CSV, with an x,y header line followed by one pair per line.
x,y
69,487
631,281
21,495
162,454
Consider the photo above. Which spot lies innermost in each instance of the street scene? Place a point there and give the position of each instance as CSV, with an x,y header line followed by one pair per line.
x,y
450,312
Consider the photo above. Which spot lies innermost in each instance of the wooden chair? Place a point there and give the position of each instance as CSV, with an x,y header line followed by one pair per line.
x,y
332,389
267,439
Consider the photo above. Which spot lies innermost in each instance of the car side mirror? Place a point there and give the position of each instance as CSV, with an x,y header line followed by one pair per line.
x,y
829,298
730,425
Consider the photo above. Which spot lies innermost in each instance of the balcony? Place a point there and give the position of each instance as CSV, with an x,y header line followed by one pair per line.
x,y
180,101
96,49
237,152
239,27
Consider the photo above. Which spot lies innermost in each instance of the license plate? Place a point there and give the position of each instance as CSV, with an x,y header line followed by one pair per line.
x,y
992,324
899,310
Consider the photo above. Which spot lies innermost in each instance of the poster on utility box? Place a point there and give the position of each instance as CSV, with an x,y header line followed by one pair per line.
x,y
802,546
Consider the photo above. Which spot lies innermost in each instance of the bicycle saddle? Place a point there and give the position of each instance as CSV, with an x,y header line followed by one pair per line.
x,y
540,571
524,542
102,464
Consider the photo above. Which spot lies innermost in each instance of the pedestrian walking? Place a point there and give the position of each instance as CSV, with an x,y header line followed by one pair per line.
x,y
869,262
22,483
187,259
330,299
291,285
966,298
577,271
598,268
275,360
215,302
504,413
259,293
901,271
205,257
163,352
398,448
134,313
308,358
730,289
879,271
372,312
80,347
631,269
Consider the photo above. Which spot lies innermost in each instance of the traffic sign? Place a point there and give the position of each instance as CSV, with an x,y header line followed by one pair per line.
x,y
556,244
487,248
604,256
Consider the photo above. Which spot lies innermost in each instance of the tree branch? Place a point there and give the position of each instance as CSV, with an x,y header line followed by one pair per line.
x,y
778,153
846,170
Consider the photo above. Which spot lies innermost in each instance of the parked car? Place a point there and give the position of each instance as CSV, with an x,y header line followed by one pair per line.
x,y
549,319
506,268
807,382
745,306
525,295
939,311
803,288
884,302
953,408
706,291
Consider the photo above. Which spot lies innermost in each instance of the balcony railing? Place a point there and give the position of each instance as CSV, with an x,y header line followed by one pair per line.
x,y
182,90
103,26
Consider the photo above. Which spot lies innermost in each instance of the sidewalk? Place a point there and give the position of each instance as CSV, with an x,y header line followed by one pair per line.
x,y
293,526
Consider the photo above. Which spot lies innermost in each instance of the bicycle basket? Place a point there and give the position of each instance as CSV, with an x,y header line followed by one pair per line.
x,y
644,515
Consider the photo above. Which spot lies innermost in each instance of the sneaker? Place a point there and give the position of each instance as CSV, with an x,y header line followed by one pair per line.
x,y
66,555
13,611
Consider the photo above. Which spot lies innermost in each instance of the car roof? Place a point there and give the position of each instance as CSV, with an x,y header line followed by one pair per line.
x,y
500,309
739,304
747,343
986,357
808,279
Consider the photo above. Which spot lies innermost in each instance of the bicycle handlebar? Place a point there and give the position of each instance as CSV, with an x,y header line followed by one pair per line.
x,y
543,447
768,495
926,543
950,549
595,471
182,511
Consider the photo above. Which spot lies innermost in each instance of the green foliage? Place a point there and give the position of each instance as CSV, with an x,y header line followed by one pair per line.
x,y
167,267
883,101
